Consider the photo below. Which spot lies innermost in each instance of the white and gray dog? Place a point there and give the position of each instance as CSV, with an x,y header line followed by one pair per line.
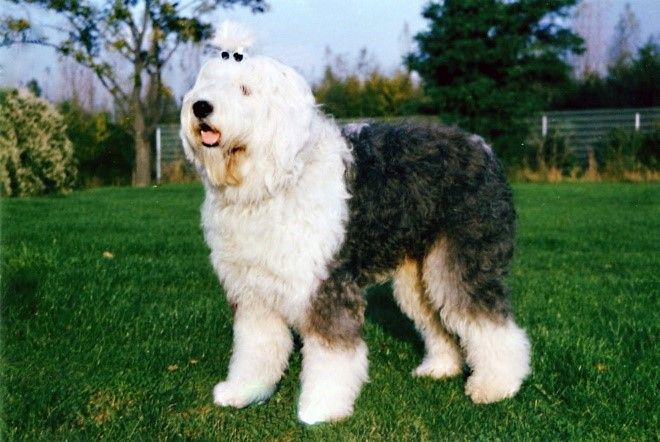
x,y
300,216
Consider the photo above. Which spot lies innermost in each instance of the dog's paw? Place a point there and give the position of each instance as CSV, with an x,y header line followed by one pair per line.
x,y
439,367
489,389
240,394
323,410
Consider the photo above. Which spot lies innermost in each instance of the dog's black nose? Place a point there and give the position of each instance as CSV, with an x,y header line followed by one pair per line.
x,y
202,108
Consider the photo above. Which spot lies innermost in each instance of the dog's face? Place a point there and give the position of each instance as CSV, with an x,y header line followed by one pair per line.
x,y
245,122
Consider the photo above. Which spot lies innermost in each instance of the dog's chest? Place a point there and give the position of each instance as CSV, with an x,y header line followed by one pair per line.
x,y
278,251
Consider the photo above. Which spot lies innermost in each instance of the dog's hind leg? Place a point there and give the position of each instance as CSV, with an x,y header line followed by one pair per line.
x,y
473,305
334,355
443,357
262,345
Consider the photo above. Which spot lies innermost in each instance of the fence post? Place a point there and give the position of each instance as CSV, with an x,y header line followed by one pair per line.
x,y
637,122
158,155
544,126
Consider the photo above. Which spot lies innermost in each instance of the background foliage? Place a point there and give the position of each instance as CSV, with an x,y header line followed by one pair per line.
x,y
102,147
625,150
377,95
143,35
631,82
36,156
486,65
489,65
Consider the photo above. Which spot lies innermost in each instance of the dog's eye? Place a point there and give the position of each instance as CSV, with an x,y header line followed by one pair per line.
x,y
246,90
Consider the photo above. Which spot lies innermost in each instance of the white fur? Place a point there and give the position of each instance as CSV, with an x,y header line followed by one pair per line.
x,y
331,380
276,252
232,36
271,237
278,123
354,128
499,357
498,354
480,141
262,344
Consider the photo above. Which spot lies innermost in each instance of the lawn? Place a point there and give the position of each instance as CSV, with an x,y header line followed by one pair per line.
x,y
114,325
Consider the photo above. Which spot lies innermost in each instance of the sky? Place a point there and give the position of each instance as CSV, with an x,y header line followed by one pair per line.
x,y
297,32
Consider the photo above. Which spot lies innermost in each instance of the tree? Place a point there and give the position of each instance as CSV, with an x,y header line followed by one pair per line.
x,y
145,34
490,64
101,147
626,37
589,23
631,84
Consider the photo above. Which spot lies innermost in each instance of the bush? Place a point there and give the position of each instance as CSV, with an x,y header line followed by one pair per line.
x,y
102,148
377,95
630,151
649,152
36,157
551,152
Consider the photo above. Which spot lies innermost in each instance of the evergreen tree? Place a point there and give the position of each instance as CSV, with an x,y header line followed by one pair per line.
x,y
490,64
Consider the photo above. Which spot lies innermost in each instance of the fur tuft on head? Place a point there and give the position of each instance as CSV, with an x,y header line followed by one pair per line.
x,y
232,36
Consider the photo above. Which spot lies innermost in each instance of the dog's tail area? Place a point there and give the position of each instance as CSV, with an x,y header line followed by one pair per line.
x,y
233,36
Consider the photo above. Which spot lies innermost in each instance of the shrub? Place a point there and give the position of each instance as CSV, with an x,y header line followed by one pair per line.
x,y
102,148
649,153
551,152
36,157
627,151
377,95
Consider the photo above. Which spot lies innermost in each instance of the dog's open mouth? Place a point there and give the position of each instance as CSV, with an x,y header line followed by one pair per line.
x,y
210,136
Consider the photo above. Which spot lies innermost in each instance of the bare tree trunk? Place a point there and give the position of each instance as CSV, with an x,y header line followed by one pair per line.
x,y
142,171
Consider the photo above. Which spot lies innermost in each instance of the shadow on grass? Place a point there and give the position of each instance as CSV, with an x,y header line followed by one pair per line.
x,y
383,311
18,291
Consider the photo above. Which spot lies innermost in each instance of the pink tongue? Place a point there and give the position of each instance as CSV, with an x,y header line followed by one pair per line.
x,y
210,137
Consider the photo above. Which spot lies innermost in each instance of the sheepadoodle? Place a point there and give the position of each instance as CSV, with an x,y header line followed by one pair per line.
x,y
300,215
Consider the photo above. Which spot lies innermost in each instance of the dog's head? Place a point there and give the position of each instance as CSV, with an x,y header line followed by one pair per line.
x,y
247,118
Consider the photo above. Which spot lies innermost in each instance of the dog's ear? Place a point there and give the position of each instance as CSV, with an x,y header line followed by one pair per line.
x,y
293,103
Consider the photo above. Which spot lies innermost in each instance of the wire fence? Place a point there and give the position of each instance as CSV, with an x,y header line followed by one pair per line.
x,y
585,130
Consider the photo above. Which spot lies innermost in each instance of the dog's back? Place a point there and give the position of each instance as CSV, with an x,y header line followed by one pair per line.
x,y
414,183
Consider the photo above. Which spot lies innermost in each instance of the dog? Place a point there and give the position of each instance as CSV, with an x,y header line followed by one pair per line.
x,y
300,215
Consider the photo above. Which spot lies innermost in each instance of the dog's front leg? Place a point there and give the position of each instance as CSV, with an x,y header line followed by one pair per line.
x,y
334,354
262,345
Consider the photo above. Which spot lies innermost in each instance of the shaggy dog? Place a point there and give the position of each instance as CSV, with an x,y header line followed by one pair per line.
x,y
300,216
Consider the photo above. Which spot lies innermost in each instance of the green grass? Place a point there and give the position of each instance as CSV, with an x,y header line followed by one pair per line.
x,y
129,345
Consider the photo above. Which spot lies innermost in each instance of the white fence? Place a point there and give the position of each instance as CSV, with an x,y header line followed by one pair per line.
x,y
585,130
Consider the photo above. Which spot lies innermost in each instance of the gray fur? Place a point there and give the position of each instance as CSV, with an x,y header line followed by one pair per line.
x,y
413,185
